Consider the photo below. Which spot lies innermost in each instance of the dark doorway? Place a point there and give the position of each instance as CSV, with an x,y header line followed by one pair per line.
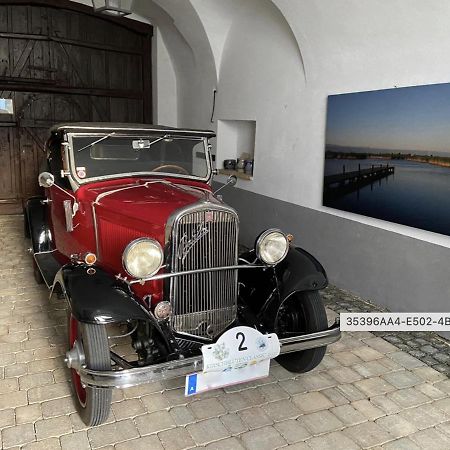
x,y
61,62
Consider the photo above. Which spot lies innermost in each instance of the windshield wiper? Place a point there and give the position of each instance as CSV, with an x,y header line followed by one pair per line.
x,y
97,141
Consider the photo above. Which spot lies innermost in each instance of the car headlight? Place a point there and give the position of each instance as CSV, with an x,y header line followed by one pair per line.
x,y
272,246
142,257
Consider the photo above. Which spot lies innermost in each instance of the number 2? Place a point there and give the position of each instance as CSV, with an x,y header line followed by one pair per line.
x,y
241,347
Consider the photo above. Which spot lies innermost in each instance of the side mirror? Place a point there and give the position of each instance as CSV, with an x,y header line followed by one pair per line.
x,y
231,181
46,179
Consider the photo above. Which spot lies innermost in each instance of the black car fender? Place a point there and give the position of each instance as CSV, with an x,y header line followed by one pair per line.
x,y
95,296
266,289
36,219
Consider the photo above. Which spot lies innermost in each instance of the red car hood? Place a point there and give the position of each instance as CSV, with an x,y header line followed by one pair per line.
x,y
137,208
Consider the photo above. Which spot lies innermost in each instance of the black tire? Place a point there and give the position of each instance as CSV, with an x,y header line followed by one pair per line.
x,y
93,404
314,318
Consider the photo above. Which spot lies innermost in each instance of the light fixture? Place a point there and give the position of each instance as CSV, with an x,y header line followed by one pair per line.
x,y
118,8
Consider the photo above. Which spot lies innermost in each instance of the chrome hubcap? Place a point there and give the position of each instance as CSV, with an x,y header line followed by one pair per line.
x,y
75,358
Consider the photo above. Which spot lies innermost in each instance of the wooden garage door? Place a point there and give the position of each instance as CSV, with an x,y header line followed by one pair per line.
x,y
61,62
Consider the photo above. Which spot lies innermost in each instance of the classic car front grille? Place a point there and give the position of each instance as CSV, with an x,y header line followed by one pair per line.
x,y
204,304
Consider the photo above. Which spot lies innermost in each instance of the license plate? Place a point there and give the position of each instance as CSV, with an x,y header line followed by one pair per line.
x,y
241,354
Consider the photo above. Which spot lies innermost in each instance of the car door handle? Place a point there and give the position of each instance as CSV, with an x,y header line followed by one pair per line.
x,y
46,201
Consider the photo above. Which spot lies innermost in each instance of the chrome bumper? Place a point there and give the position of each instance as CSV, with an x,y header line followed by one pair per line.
x,y
181,367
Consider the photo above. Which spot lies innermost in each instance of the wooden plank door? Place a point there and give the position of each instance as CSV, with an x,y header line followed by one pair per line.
x,y
60,62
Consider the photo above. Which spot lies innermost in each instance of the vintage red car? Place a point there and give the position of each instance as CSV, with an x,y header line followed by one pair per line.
x,y
131,235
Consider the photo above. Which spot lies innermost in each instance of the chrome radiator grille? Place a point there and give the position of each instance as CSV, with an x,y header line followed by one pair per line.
x,y
204,304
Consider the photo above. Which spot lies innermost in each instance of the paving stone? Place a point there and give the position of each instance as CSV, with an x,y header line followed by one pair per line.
x,y
18,435
234,424
233,401
255,418
6,418
281,410
381,345
37,379
444,386
176,439
328,362
154,422
424,416
315,381
231,443
407,361
204,409
347,358
207,431
311,401
266,438
444,427
142,443
408,397
182,415
431,439
75,441
128,408
385,404
430,391
374,386
370,369
401,444
351,392
45,444
402,379
53,427
335,397
368,434
369,410
292,431
155,402
16,370
443,405
348,415
367,353
112,433
50,392
396,425
28,413
273,392
333,441
320,422
13,399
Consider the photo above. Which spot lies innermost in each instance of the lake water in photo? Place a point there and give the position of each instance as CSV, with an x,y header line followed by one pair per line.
x,y
417,194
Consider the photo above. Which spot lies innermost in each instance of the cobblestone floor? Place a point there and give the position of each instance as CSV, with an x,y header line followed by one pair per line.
x,y
367,393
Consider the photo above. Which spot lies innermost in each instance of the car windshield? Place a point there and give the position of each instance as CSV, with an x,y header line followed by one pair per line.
x,y
105,155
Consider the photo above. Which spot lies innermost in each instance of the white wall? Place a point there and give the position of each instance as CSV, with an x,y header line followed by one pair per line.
x,y
276,62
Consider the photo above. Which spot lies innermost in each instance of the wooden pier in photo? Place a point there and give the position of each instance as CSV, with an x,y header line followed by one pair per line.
x,y
357,178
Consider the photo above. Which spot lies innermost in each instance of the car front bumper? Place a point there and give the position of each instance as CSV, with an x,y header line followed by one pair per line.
x,y
181,367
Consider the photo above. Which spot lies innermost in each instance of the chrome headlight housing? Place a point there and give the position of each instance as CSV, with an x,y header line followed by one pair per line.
x,y
272,246
143,257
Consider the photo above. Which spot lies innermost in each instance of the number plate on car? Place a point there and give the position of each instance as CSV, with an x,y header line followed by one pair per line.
x,y
240,354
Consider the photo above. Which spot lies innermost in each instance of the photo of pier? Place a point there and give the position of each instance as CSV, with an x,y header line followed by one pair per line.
x,y
387,155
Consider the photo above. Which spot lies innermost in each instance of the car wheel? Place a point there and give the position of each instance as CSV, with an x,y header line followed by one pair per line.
x,y
93,404
304,313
